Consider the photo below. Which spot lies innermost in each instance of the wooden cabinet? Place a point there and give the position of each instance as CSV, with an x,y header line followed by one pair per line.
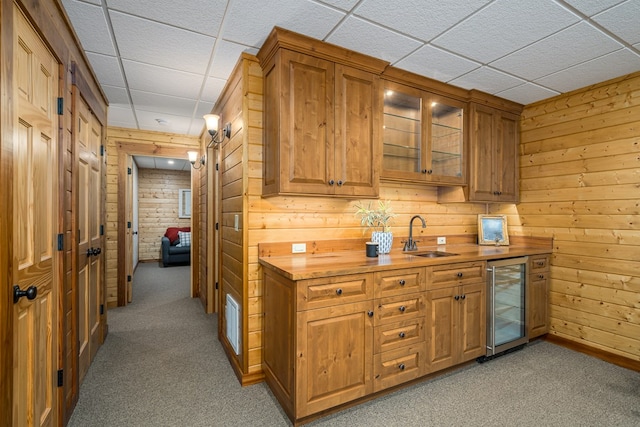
x,y
457,309
321,127
423,136
494,142
538,296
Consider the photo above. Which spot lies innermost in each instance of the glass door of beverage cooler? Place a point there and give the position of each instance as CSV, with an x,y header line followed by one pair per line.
x,y
506,315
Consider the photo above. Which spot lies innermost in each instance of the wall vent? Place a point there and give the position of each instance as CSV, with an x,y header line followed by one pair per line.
x,y
232,315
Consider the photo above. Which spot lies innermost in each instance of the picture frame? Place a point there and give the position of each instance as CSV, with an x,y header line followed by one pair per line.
x,y
184,203
492,230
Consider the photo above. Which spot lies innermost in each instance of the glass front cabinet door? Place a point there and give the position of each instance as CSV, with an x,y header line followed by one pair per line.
x,y
423,136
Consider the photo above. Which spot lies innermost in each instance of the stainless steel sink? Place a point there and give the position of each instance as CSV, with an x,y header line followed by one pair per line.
x,y
430,254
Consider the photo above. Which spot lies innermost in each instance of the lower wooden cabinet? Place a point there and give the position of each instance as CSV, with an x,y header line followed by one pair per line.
x,y
538,296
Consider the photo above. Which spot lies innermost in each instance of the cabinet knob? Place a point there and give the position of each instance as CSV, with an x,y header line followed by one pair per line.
x,y
401,366
402,282
459,274
331,182
463,296
339,291
540,276
340,182
540,263
402,308
457,297
370,313
424,171
430,171
401,335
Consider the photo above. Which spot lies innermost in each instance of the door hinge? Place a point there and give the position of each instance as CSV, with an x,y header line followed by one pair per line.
x,y
60,106
102,229
128,224
217,166
101,309
60,242
217,226
102,150
216,285
128,278
129,171
60,377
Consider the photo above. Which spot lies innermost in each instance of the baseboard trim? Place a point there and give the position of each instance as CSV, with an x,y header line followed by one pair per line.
x,y
615,359
243,379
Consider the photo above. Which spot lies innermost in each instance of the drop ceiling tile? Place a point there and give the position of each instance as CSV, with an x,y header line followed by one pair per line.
x,y
371,39
503,27
432,62
203,108
163,103
622,20
622,61
212,89
149,78
107,69
527,93
116,95
487,79
173,124
341,4
122,116
578,43
161,44
249,22
226,57
591,7
201,16
91,26
421,20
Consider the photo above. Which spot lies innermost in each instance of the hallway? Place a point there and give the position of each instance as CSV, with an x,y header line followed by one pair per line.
x,y
162,365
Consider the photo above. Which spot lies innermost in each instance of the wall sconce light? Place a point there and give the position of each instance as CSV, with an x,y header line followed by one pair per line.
x,y
212,122
193,157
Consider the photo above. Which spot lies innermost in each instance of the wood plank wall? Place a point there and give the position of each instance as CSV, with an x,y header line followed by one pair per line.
x,y
158,208
147,143
580,175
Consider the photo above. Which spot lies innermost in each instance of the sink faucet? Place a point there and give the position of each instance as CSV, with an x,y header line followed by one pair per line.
x,y
410,244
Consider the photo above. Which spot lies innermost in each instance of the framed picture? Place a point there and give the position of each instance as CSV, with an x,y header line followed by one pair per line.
x,y
492,230
184,203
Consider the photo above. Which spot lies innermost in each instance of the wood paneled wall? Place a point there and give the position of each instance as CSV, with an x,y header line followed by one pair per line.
x,y
136,142
158,208
580,175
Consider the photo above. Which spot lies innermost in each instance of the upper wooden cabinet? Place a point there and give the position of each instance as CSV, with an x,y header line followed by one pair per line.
x,y
321,120
495,137
423,136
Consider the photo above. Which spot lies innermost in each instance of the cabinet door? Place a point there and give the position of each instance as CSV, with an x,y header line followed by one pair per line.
x,y
334,356
473,322
446,140
507,155
537,297
442,327
481,180
357,134
306,124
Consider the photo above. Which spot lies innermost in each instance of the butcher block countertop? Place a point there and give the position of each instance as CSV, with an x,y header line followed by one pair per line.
x,y
334,258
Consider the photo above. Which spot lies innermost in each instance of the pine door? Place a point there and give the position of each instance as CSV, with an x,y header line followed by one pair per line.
x,y
35,219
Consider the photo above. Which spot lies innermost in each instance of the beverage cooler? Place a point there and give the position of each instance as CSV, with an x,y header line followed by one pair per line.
x,y
506,306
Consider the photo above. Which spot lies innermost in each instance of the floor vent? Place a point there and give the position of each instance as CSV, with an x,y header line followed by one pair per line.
x,y
232,313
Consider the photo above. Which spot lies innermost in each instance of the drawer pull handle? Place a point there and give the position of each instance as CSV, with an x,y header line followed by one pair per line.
x,y
370,313
339,291
540,263
402,308
457,297
402,282
459,274
540,276
401,335
401,367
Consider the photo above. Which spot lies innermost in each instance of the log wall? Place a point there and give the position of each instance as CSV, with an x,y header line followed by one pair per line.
x,y
158,208
580,184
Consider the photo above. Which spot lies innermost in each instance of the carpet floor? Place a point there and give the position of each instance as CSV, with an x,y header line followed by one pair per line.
x,y
162,365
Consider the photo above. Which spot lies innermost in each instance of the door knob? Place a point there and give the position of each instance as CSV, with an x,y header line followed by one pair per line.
x,y
30,293
89,251
96,252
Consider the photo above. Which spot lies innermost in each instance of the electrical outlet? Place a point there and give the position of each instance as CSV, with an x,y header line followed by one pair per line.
x,y
298,248
442,240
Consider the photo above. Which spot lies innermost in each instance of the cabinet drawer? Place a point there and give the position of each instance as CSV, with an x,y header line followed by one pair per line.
x,y
396,335
456,274
538,263
327,291
398,366
395,309
399,282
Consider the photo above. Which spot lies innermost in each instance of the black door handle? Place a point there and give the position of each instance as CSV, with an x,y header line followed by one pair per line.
x,y
89,251
18,293
96,252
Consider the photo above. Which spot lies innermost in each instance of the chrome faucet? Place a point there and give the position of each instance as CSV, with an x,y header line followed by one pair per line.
x,y
410,244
